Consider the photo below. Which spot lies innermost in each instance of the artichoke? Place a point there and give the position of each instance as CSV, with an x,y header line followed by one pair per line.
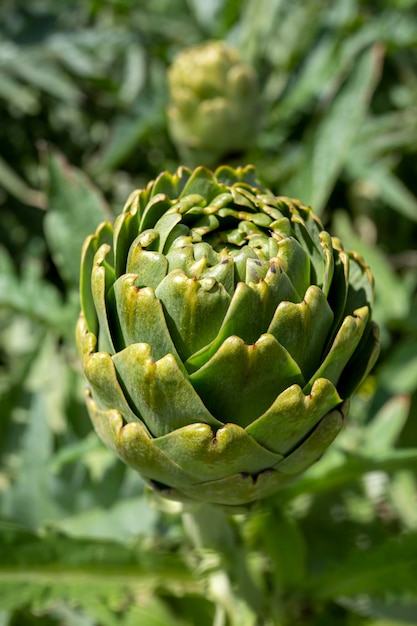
x,y
222,333
213,108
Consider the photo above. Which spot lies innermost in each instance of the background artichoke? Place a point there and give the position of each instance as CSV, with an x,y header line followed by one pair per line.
x,y
214,103
222,333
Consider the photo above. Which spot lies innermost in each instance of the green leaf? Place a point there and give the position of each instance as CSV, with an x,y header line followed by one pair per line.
x,y
336,471
17,95
75,210
15,185
127,519
391,291
387,186
398,373
36,69
97,575
29,499
390,566
386,426
34,297
154,613
395,610
285,546
127,132
328,148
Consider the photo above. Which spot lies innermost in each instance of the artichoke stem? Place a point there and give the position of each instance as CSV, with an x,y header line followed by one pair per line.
x,y
215,534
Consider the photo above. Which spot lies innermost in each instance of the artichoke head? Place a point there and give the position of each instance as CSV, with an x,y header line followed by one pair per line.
x,y
213,108
222,333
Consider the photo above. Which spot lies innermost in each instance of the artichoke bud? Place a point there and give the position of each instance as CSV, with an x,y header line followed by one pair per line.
x,y
214,104
222,333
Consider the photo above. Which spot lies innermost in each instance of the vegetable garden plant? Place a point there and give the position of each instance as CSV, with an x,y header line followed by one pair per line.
x,y
222,333
253,394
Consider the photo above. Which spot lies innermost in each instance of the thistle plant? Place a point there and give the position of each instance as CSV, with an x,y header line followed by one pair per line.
x,y
222,333
214,103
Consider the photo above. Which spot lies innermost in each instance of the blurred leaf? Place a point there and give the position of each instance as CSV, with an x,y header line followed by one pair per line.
x,y
337,470
327,149
398,374
285,546
402,492
17,95
392,612
381,134
394,192
126,520
18,187
69,615
384,568
392,294
387,186
127,133
90,574
30,496
134,75
154,613
38,71
205,11
385,428
319,67
76,208
68,48
30,295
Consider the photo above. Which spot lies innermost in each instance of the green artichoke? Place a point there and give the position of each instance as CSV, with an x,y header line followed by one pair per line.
x,y
222,333
213,108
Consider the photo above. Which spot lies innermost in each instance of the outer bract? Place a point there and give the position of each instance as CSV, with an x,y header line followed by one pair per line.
x,y
222,332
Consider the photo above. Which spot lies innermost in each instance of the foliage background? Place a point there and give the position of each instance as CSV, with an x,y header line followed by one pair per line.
x,y
83,96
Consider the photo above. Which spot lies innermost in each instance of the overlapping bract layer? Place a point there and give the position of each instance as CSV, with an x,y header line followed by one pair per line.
x,y
222,332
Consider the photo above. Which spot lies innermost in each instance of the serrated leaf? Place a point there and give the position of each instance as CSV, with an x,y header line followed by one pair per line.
x,y
89,573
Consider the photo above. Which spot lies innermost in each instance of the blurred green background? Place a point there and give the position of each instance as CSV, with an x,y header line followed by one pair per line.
x,y
83,110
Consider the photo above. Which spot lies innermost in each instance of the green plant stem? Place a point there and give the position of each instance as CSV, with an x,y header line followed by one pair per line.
x,y
223,558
